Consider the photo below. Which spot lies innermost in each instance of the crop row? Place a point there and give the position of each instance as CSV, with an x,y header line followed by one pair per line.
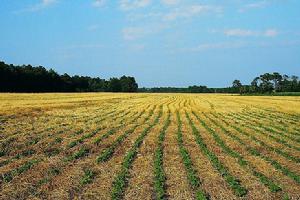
x,y
268,128
258,141
232,181
266,133
255,152
159,174
276,123
120,181
192,177
241,161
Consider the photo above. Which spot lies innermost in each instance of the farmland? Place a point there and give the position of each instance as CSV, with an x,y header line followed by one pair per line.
x,y
149,146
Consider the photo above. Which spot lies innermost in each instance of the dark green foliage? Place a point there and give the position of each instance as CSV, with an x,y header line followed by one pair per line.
x,y
159,174
81,139
24,153
83,151
266,84
8,176
88,177
26,78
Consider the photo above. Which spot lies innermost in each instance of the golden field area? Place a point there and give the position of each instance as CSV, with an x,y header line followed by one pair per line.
x,y
149,146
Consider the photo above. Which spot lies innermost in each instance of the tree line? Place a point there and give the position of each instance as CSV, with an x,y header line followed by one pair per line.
x,y
27,78
190,89
268,83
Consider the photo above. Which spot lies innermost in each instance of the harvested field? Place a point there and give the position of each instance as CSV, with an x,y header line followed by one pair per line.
x,y
149,146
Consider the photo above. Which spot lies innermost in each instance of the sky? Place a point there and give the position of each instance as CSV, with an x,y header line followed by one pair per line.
x,y
160,42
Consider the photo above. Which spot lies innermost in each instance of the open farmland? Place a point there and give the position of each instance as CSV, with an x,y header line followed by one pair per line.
x,y
149,146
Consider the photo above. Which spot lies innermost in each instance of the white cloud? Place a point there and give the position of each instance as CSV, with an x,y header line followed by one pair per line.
x,y
240,32
191,11
42,5
271,33
256,5
133,4
250,33
37,7
132,33
99,3
220,45
170,2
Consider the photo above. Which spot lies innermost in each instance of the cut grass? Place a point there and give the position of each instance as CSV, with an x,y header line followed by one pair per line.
x,y
192,177
232,181
8,176
259,141
255,152
107,153
120,181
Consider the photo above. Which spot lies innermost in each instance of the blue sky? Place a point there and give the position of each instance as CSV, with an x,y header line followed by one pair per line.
x,y
160,42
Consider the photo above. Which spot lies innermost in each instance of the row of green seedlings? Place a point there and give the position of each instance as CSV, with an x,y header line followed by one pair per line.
x,y
159,173
10,175
88,173
39,135
279,115
232,181
93,133
48,151
272,129
6,146
280,124
192,177
98,140
255,139
84,150
255,152
120,181
81,153
287,116
273,187
265,133
236,117
20,155
107,153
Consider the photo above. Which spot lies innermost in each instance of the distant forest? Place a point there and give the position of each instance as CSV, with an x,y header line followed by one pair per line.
x,y
27,78
268,83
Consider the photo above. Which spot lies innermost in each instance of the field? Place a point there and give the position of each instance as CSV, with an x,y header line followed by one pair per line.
x,y
149,146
